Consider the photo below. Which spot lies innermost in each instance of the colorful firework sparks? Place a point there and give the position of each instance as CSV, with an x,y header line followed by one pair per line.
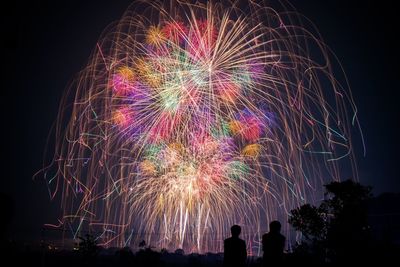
x,y
192,117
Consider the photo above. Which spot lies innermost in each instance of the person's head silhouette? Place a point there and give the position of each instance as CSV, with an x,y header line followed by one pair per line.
x,y
235,230
275,227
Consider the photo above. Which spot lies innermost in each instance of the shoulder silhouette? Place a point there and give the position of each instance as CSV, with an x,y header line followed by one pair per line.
x,y
235,253
273,244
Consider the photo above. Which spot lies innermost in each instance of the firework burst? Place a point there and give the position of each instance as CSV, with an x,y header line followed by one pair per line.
x,y
192,117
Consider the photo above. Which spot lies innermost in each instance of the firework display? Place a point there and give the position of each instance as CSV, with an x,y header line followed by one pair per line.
x,y
189,118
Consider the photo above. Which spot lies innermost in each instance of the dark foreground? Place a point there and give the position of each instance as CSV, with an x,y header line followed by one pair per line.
x,y
24,256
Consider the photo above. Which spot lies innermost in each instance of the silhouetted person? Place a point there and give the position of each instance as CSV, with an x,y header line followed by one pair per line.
x,y
273,244
235,253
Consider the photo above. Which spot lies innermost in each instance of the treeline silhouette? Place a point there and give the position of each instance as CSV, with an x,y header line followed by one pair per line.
x,y
336,232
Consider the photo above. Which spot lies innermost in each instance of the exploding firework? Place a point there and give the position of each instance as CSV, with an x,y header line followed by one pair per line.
x,y
189,118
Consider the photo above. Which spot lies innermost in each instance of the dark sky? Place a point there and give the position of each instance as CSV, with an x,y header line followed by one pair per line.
x,y
45,43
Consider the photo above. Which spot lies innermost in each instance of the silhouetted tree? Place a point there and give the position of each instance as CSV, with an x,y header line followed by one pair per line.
x,y
88,248
348,232
339,225
311,221
179,251
142,244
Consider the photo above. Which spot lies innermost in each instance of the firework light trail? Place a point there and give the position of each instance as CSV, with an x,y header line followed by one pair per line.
x,y
189,118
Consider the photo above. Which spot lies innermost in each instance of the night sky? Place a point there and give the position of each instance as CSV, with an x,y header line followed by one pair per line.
x,y
45,43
